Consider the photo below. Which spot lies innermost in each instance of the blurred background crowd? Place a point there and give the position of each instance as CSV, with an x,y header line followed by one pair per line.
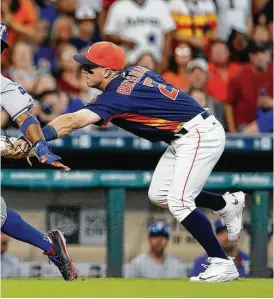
x,y
218,51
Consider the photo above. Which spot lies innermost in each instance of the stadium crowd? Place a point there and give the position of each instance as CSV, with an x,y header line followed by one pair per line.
x,y
219,51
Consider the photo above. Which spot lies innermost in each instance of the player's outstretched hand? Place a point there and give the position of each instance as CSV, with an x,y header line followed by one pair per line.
x,y
56,164
45,155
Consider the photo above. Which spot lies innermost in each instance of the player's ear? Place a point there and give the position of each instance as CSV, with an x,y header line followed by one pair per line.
x,y
107,73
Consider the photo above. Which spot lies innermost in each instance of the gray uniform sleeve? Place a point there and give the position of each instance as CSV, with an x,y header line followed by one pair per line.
x,y
16,101
132,270
3,211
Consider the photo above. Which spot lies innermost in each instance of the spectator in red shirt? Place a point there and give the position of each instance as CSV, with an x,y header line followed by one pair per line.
x,y
246,87
69,78
220,70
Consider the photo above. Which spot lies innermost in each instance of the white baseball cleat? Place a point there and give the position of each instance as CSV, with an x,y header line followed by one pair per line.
x,y
232,213
218,270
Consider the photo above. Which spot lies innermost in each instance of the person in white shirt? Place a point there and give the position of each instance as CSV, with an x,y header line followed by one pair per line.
x,y
233,14
141,26
156,263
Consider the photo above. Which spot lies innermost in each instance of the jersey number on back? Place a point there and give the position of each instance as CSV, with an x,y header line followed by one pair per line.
x,y
170,94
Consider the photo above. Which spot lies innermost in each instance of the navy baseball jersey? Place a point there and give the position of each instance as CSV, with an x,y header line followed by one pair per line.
x,y
143,103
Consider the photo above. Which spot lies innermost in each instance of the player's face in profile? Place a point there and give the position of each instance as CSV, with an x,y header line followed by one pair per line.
x,y
158,244
94,75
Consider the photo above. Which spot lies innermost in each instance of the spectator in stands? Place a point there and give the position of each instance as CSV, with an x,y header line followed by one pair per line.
x,y
231,249
21,17
103,15
238,46
196,22
156,263
138,26
207,102
264,116
62,31
177,74
68,79
234,14
48,13
53,103
44,57
242,100
85,20
22,68
260,33
96,5
198,78
10,265
147,60
263,14
44,82
220,70
67,7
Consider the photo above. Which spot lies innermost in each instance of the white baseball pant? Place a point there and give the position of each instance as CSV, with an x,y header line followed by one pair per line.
x,y
186,165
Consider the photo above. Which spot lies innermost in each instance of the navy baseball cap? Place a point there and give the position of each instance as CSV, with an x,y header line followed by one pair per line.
x,y
219,226
159,228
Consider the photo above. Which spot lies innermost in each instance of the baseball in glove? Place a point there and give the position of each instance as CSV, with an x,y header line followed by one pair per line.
x,y
8,149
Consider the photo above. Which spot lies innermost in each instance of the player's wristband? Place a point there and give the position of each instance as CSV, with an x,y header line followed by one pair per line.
x,y
27,122
41,148
49,133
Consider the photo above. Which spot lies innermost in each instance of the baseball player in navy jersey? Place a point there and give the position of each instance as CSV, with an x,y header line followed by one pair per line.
x,y
17,103
141,102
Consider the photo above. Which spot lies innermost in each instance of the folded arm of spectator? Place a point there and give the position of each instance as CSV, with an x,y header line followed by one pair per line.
x,y
25,30
166,52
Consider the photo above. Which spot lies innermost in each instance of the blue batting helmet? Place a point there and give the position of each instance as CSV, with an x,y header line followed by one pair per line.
x,y
3,35
159,228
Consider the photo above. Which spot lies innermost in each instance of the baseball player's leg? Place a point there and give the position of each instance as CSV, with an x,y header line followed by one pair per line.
x,y
161,179
196,155
53,244
18,229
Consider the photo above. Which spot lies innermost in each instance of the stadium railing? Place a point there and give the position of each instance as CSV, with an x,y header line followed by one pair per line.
x,y
116,183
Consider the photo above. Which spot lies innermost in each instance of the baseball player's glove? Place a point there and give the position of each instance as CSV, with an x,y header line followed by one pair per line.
x,y
8,150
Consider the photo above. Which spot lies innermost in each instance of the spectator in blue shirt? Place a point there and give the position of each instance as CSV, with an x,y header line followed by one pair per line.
x,y
231,249
44,56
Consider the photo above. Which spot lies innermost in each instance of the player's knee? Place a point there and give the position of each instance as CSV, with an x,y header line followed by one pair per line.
x,y
180,209
157,199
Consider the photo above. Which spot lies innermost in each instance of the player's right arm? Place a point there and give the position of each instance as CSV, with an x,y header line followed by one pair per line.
x,y
17,103
67,123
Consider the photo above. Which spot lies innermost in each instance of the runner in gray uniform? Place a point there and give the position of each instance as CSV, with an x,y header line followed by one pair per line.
x,y
17,103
